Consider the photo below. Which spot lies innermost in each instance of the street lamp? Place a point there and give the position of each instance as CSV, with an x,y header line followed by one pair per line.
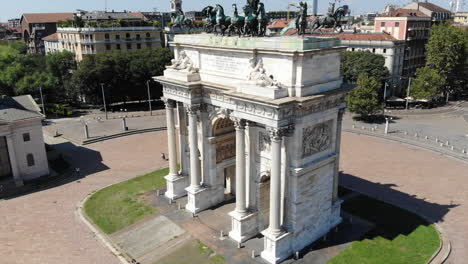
x,y
104,100
42,101
149,97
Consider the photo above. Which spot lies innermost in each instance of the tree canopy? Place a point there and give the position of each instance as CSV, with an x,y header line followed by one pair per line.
x,y
356,63
364,99
124,74
428,84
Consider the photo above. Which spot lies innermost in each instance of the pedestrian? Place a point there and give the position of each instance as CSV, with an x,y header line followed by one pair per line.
x,y
163,156
77,172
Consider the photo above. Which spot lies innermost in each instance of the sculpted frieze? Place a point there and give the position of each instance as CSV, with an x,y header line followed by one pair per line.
x,y
316,138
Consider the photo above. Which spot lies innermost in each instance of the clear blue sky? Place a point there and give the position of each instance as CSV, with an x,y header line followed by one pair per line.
x,y
12,9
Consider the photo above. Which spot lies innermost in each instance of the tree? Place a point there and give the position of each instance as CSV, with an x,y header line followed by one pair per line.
x,y
447,52
356,63
61,66
428,84
124,74
363,100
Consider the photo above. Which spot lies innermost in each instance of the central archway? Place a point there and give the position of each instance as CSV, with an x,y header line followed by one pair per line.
x,y
225,148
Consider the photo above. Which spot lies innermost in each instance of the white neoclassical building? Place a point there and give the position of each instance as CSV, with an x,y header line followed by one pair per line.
x,y
260,119
22,150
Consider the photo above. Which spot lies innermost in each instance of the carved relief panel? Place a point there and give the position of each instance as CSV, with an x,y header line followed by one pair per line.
x,y
317,138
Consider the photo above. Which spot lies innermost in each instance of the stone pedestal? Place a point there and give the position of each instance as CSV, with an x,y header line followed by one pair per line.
x,y
183,76
198,199
176,186
244,226
276,247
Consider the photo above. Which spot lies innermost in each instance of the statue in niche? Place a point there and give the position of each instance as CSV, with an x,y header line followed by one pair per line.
x,y
183,63
259,76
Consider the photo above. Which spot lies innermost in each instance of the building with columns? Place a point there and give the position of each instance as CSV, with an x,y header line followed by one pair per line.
x,y
268,135
22,150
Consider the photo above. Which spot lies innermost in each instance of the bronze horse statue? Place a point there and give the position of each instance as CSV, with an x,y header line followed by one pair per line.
x,y
333,20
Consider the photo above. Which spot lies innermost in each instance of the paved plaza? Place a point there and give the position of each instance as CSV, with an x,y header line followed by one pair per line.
x,y
43,227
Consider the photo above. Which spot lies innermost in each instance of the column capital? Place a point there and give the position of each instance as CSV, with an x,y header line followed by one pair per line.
x,y
170,104
276,134
341,112
239,123
192,109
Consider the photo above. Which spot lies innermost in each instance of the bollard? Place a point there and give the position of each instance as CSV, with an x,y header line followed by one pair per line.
x,y
221,235
296,255
86,131
406,133
416,135
442,144
363,128
178,206
464,151
373,129
157,192
239,245
324,238
253,254
447,143
437,140
336,229
354,126
193,215
386,125
453,148
56,133
426,137
170,201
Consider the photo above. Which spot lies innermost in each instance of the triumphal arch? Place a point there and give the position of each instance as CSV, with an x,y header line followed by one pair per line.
x,y
258,118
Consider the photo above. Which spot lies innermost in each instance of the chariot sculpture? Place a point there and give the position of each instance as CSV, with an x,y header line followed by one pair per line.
x,y
180,21
253,23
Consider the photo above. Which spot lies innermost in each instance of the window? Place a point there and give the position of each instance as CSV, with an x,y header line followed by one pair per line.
x,y
26,137
129,46
384,50
117,36
382,24
397,24
108,47
91,37
30,160
148,35
138,46
127,35
106,36
373,50
138,36
352,49
148,45
118,46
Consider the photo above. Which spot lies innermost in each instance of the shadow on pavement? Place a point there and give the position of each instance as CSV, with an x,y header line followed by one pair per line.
x,y
87,160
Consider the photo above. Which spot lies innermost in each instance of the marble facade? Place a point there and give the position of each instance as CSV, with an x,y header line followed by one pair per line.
x,y
262,119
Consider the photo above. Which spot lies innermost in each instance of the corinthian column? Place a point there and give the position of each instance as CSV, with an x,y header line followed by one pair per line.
x,y
337,151
171,139
275,181
241,207
195,178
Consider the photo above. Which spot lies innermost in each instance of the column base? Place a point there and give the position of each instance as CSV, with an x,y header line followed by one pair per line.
x,y
335,218
198,199
244,226
276,247
176,186
19,182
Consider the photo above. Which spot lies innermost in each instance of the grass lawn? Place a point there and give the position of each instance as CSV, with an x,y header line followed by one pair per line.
x,y
193,252
399,236
118,206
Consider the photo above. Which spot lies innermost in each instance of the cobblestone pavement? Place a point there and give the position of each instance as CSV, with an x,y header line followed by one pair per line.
x,y
98,126
412,178
42,227
447,127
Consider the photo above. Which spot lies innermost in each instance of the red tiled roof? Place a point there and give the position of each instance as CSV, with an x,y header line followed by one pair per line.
x,y
51,37
138,15
405,13
278,24
432,7
46,17
351,36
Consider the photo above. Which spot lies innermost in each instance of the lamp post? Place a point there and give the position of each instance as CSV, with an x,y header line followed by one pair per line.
x,y
42,101
149,97
104,100
408,93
